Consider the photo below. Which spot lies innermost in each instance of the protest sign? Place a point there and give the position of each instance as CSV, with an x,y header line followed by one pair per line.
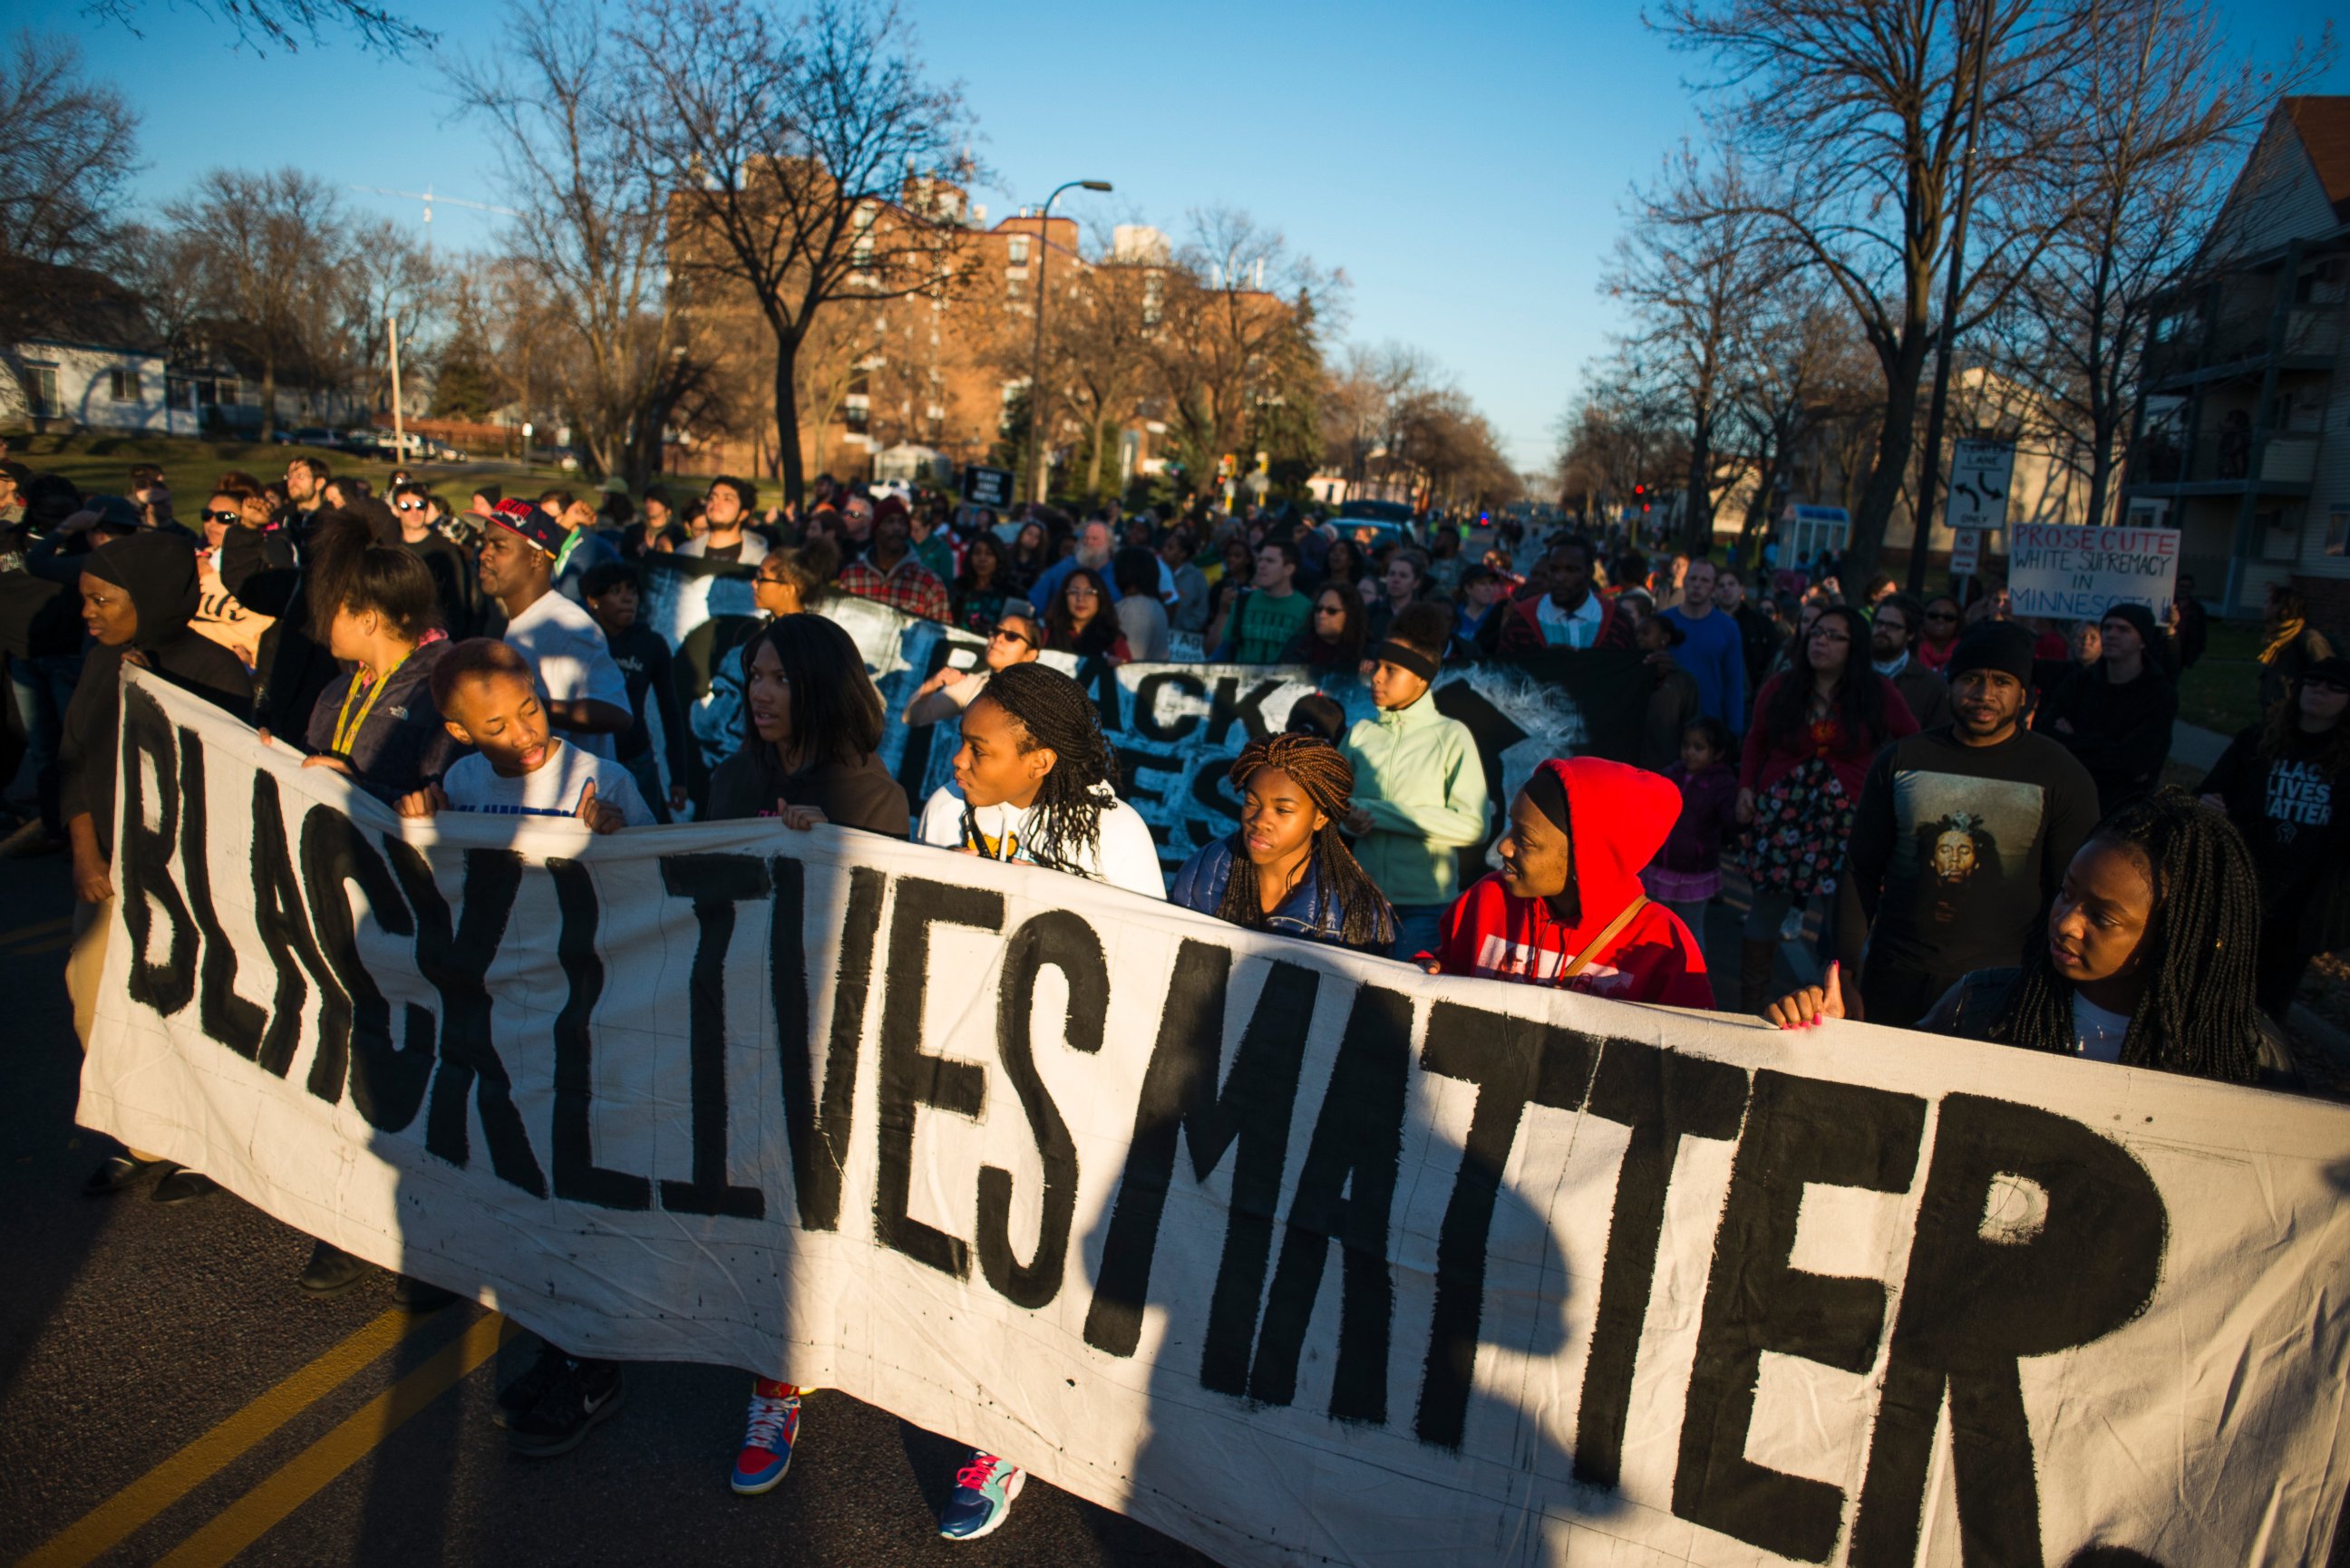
x,y
2066,573
1174,726
1296,1255
987,486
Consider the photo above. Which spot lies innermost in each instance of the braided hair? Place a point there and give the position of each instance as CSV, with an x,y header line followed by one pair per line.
x,y
1366,920
1053,711
2199,1015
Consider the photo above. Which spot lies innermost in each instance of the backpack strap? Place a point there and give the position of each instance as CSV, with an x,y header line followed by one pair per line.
x,y
1608,934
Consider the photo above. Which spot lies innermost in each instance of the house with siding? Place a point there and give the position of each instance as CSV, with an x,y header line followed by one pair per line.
x,y
2242,439
88,356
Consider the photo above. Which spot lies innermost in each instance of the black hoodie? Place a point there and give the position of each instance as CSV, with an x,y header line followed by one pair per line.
x,y
159,572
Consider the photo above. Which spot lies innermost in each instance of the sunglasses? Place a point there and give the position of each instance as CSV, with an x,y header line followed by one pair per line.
x,y
1005,634
1939,614
2319,683
224,516
409,506
1079,591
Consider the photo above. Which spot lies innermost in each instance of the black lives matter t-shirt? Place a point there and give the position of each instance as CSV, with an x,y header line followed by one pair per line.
x,y
2291,810
1956,849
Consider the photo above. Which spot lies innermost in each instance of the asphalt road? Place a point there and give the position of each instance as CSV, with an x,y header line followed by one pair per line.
x,y
168,1396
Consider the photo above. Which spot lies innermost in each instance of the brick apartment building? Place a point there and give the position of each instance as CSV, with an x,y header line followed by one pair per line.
x,y
932,370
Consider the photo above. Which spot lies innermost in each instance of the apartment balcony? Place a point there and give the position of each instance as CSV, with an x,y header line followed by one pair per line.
x,y
2241,344
2226,463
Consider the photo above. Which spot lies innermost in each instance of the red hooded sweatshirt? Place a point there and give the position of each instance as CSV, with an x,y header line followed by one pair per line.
x,y
1619,817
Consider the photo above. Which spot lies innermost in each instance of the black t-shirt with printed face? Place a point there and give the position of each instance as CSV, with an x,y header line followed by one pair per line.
x,y
1956,850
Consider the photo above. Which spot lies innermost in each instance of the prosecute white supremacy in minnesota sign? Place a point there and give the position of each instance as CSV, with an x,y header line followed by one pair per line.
x,y
1296,1255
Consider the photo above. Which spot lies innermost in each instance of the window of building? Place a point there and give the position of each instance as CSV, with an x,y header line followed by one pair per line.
x,y
45,391
1017,250
122,386
2337,532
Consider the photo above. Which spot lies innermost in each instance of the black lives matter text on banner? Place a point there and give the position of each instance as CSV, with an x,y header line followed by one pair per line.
x,y
1175,727
2067,573
1298,1256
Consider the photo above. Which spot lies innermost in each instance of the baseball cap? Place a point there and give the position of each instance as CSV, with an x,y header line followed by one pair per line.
x,y
536,527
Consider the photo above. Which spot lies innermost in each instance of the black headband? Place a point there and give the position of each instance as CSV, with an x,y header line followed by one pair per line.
x,y
1549,797
1403,656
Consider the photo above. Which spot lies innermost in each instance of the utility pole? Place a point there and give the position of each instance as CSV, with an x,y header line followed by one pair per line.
x,y
1921,537
1036,476
399,420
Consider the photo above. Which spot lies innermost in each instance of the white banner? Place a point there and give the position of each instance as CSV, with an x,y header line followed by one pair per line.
x,y
2066,573
1298,1256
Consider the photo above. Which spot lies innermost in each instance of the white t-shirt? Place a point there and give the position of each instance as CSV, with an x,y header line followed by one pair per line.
x,y
755,549
1128,859
573,663
2098,1032
553,790
1565,628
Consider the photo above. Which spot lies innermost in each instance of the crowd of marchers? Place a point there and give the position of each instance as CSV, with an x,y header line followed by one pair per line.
x,y
1965,812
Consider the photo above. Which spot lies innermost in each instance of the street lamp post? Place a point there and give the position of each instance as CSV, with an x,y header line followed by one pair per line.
x,y
1036,361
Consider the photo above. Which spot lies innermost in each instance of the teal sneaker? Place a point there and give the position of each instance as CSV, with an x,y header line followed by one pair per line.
x,y
983,1492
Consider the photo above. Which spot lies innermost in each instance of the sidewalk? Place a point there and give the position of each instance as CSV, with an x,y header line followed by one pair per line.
x,y
2195,747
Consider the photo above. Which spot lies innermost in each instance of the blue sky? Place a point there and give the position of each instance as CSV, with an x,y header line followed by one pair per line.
x,y
1465,163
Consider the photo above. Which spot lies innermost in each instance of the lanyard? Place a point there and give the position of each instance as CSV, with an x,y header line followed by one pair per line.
x,y
347,727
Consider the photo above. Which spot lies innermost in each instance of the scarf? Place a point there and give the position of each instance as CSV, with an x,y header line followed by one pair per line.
x,y
2288,633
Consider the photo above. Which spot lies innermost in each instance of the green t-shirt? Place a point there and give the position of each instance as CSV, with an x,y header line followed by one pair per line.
x,y
1264,626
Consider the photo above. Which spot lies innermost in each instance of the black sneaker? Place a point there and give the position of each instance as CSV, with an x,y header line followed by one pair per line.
x,y
586,1393
330,1271
420,1297
517,1399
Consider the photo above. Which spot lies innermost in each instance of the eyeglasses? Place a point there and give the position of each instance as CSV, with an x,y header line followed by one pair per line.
x,y
224,516
1329,610
1079,591
1005,634
2319,683
408,506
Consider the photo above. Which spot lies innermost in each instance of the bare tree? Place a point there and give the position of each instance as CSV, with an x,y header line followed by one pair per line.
x,y
804,165
1802,369
391,275
1695,270
288,24
1239,357
67,147
1865,108
591,228
260,247
2164,115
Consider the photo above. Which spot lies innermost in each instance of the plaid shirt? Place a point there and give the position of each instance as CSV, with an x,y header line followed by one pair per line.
x,y
909,586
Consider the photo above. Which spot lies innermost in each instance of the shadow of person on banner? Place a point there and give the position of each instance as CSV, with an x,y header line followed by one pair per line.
x,y
1315,1303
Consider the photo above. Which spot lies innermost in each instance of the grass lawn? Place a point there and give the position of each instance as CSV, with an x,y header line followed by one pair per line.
x,y
2222,692
99,462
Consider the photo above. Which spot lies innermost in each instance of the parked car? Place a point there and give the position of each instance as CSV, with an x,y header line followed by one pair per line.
x,y
1374,525
308,435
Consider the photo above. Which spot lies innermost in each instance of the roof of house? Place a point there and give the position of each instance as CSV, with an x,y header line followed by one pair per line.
x,y
75,305
2324,127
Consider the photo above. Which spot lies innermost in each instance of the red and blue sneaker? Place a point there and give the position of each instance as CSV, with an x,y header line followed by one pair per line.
x,y
982,1495
767,1442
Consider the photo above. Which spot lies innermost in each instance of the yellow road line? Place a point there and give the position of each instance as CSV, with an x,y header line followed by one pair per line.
x,y
112,1521
37,929
309,1472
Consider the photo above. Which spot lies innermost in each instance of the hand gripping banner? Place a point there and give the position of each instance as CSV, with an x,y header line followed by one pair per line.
x,y
1297,1256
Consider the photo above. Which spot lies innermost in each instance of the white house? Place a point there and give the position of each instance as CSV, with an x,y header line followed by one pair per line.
x,y
91,360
